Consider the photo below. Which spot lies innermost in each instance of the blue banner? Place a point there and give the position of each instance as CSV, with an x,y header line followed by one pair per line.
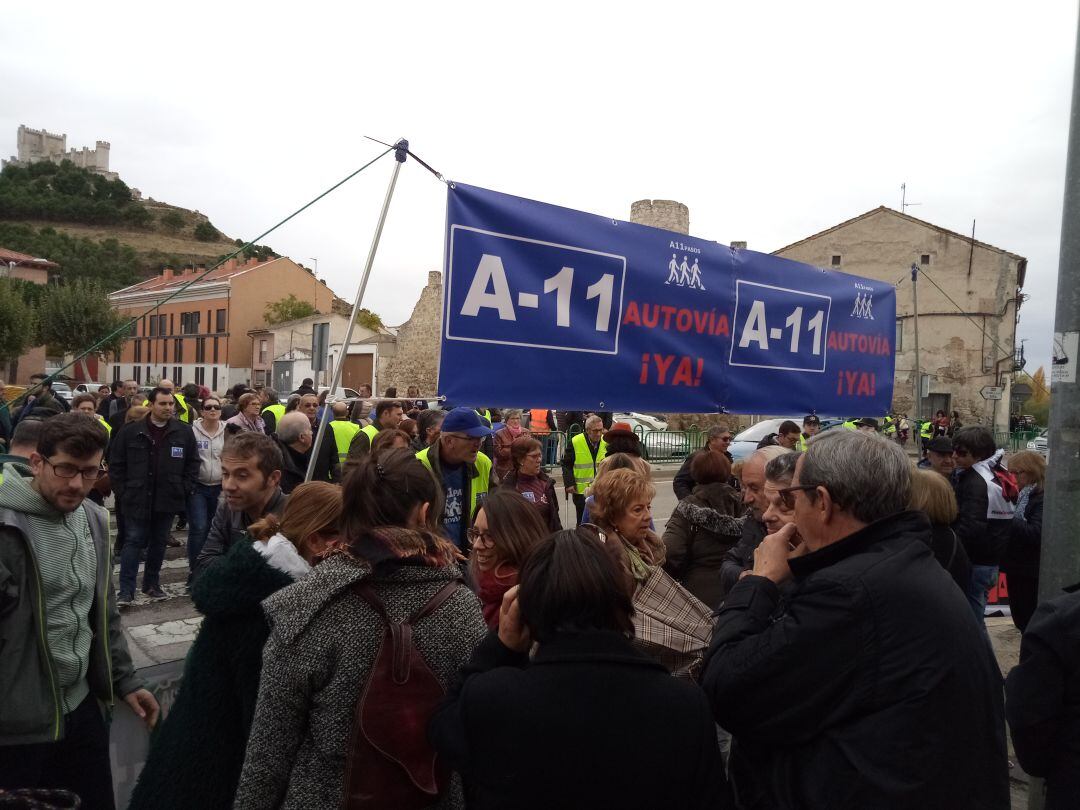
x,y
550,307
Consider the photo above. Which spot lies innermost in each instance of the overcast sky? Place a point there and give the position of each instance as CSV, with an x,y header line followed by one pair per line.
x,y
770,121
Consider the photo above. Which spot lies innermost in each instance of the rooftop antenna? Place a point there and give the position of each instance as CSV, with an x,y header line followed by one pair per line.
x,y
904,204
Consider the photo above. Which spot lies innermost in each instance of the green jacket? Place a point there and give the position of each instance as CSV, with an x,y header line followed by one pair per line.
x,y
31,710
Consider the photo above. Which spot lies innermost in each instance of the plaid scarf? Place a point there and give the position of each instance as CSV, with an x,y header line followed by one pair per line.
x,y
380,544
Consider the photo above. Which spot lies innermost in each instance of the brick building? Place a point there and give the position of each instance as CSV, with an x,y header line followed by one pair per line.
x,y
203,334
21,266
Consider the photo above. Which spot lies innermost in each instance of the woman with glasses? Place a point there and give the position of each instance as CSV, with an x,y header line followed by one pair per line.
x,y
717,439
247,415
202,503
588,720
703,527
529,480
505,528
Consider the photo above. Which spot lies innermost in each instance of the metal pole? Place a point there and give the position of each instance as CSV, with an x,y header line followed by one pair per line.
x,y
401,147
915,321
1060,563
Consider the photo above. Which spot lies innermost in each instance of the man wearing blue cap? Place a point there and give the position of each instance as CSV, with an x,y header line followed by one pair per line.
x,y
463,472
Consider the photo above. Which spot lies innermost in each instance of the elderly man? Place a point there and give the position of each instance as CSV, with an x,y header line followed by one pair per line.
x,y
939,457
718,439
739,558
870,685
296,439
583,453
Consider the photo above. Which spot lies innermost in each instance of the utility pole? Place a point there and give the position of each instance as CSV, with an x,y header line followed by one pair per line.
x,y
915,320
1060,563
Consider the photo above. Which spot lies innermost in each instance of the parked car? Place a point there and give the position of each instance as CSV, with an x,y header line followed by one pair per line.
x,y
346,393
1040,444
745,443
62,389
656,442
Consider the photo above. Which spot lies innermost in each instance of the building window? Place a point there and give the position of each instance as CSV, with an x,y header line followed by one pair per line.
x,y
172,325
215,350
134,328
189,323
164,351
213,386
200,375
260,377
200,350
138,351
153,325
136,373
899,335
116,373
836,260
924,259
178,356
219,326
262,352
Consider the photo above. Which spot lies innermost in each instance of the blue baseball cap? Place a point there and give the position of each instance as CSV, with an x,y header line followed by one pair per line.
x,y
467,421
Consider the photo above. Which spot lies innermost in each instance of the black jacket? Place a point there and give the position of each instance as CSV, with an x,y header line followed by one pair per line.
x,y
229,526
197,752
740,556
949,551
590,722
871,686
699,532
149,479
327,468
984,539
1042,699
1025,539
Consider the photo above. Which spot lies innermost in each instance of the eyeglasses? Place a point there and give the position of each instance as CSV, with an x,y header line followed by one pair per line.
x,y
70,471
211,407
601,535
475,536
787,494
725,438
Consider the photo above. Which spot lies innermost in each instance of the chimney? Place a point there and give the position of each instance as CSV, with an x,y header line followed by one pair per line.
x,y
167,273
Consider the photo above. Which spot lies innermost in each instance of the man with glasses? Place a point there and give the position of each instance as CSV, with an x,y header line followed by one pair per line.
x,y
463,472
717,439
869,683
64,654
153,467
583,454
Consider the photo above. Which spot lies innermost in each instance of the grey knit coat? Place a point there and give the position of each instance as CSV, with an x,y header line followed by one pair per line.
x,y
323,642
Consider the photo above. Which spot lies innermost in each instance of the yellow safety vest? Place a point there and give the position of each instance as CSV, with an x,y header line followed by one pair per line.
x,y
478,484
800,445
584,463
183,412
108,427
850,425
344,432
484,415
277,409
371,432
927,430
888,426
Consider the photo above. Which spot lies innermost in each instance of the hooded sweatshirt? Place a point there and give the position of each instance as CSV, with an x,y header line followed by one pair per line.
x,y
68,564
210,447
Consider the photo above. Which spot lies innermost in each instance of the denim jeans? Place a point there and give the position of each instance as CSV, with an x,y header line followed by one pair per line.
x,y
150,532
201,505
983,578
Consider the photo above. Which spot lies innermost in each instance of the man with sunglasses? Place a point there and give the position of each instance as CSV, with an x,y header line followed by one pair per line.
x,y
869,684
64,654
717,439
153,467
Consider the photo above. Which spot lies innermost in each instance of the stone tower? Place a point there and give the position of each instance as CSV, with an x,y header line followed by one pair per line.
x,y
416,360
667,214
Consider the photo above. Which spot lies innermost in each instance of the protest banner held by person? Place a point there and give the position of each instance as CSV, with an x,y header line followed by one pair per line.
x,y
871,684
305,747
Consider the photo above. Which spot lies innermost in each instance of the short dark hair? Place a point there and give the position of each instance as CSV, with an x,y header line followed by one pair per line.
x,y
259,446
385,493
384,406
153,395
79,399
27,431
190,391
427,419
977,440
570,583
787,426
391,392
116,386
72,433
308,382
710,466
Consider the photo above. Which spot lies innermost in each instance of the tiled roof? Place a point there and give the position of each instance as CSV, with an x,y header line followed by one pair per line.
x,y
168,278
14,257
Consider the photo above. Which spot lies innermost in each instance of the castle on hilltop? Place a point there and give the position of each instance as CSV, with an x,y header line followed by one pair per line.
x,y
36,145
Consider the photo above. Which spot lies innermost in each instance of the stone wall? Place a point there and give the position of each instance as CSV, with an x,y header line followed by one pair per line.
x,y
416,360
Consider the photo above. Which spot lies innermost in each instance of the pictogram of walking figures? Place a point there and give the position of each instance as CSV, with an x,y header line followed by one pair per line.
x,y
684,275
864,306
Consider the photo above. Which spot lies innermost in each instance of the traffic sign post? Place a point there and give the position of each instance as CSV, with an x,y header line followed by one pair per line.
x,y
993,392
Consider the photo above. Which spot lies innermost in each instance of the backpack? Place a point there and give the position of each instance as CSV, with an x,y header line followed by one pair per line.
x,y
389,762
1006,481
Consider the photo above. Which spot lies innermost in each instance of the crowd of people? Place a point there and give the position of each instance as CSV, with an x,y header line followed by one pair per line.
x,y
415,627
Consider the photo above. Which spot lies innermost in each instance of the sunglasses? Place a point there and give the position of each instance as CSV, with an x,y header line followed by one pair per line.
x,y
787,494
211,407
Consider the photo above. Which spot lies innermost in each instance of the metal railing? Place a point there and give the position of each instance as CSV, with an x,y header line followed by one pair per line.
x,y
657,446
